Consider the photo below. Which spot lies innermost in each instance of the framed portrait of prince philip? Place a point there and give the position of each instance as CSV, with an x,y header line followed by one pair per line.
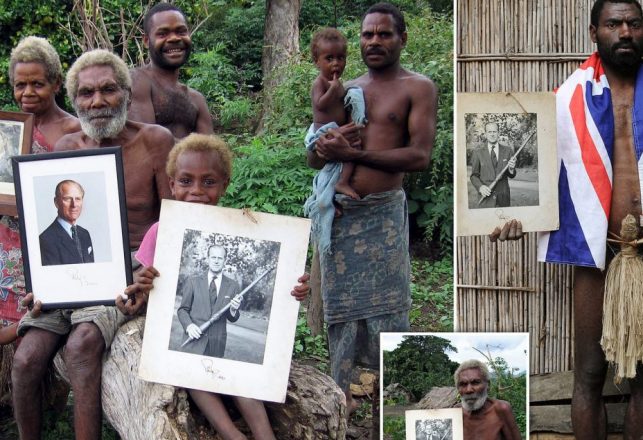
x,y
73,226
220,317
15,139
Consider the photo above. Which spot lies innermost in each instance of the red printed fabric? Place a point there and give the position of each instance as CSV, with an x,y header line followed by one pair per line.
x,y
12,280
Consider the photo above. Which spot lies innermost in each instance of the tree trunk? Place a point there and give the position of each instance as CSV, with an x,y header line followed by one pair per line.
x,y
280,43
141,410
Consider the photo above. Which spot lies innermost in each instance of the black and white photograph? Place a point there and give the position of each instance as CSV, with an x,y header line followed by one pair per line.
x,y
15,139
502,159
434,424
506,163
73,221
220,317
435,429
224,293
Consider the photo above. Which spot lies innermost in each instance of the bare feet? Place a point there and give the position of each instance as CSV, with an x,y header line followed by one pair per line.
x,y
346,189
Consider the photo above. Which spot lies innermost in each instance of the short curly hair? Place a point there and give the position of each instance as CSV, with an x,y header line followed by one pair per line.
x,y
36,50
467,365
328,34
201,142
97,57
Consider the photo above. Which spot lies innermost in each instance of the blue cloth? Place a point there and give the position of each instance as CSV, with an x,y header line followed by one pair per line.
x,y
319,206
354,102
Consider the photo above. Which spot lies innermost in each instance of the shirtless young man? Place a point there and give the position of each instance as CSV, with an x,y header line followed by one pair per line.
x,y
98,85
483,418
617,29
398,138
157,95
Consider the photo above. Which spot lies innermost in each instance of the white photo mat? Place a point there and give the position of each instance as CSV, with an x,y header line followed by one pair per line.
x,y
543,216
265,381
73,285
451,417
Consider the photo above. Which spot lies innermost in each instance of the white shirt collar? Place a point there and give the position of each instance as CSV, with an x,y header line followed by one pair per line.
x,y
65,224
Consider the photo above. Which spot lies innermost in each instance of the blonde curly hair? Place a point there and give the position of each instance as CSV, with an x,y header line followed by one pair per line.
x,y
201,142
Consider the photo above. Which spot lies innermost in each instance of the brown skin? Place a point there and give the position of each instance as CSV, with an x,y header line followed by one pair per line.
x,y
402,113
35,94
494,420
145,148
402,109
327,95
168,29
618,24
199,179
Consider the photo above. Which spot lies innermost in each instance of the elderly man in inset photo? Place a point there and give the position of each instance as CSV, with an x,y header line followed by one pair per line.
x,y
483,418
64,242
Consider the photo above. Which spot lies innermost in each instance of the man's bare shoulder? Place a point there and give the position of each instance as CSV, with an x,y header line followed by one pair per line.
x,y
153,135
140,76
360,81
502,407
70,141
70,124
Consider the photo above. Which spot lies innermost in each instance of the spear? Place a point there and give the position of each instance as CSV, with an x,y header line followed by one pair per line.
x,y
203,327
499,176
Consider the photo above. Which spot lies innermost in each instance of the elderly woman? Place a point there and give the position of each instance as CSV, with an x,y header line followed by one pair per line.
x,y
35,73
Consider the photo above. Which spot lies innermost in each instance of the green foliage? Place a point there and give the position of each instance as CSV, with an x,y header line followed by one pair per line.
x,y
270,175
511,387
419,363
308,346
394,428
432,294
214,75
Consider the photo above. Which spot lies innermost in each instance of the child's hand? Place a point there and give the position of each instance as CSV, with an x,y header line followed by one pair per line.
x,y
134,298
34,308
300,292
336,85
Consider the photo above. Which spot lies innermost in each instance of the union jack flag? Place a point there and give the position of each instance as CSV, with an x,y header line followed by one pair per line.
x,y
585,140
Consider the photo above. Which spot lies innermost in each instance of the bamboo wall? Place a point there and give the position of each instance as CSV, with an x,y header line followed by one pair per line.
x,y
518,46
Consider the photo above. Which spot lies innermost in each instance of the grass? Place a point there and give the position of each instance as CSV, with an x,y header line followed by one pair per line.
x,y
432,293
394,428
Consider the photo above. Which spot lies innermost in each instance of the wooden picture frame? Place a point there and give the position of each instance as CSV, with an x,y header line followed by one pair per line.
x,y
264,256
91,269
15,139
525,129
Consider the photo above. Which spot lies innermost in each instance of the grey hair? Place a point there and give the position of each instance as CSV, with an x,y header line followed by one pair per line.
x,y
467,365
97,57
36,50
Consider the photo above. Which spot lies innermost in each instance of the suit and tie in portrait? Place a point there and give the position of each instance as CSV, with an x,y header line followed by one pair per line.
x,y
487,162
64,242
203,296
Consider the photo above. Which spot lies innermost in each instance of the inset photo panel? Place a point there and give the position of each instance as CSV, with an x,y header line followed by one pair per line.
x,y
454,386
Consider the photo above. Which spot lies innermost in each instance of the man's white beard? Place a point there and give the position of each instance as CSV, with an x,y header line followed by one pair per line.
x,y
475,401
118,118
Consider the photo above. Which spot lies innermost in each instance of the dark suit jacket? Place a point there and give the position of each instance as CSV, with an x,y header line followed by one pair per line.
x,y
483,173
57,247
195,309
